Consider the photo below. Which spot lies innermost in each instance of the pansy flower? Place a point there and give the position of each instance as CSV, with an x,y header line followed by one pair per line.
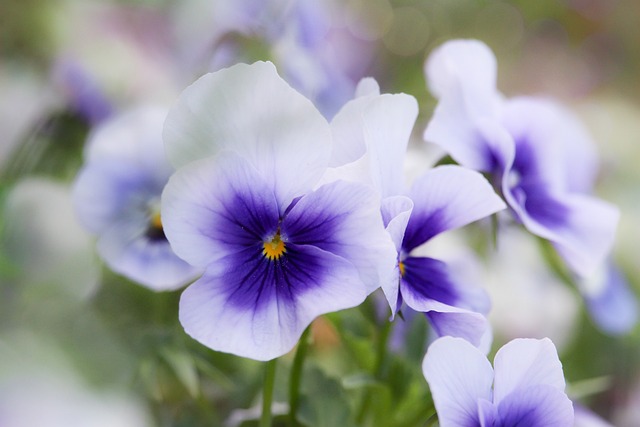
x,y
246,205
374,130
537,153
117,197
524,388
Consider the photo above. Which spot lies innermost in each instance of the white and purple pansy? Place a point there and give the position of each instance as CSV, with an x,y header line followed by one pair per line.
x,y
524,388
538,154
372,133
246,205
116,196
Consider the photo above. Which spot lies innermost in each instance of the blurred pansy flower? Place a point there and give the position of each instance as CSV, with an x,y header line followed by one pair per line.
x,y
377,128
525,387
277,249
117,197
538,154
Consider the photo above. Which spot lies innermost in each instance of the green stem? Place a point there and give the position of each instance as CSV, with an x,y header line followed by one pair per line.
x,y
378,369
267,394
296,376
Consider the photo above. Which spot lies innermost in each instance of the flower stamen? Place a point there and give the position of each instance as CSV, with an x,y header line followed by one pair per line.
x,y
274,248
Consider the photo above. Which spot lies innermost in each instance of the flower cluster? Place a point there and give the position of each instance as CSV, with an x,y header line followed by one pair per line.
x,y
286,216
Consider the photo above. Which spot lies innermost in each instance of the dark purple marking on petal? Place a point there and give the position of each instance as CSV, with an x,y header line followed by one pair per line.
x,y
253,279
540,204
429,278
421,228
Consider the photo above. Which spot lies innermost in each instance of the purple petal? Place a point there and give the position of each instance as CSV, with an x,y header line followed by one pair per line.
x,y
536,406
524,363
344,219
557,140
487,413
217,206
446,198
251,110
427,278
613,306
455,322
458,375
253,307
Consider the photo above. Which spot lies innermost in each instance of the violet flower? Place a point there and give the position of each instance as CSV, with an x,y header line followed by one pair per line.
x,y
116,196
277,249
525,387
372,133
537,153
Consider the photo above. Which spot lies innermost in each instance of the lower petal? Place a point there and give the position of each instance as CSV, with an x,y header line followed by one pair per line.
x,y
538,406
253,307
153,264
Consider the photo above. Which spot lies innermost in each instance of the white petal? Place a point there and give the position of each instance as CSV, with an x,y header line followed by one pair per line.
x,y
526,362
367,86
458,375
388,123
251,110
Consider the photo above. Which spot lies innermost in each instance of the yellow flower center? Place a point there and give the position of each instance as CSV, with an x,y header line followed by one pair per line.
x,y
156,221
274,248
402,268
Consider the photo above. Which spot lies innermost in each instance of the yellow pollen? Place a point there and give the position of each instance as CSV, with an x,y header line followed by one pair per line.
x,y
274,249
156,222
401,267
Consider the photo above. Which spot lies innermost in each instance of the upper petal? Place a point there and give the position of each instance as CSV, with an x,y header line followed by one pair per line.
x,y
445,198
344,218
253,307
458,375
251,110
537,406
469,63
388,122
524,363
217,206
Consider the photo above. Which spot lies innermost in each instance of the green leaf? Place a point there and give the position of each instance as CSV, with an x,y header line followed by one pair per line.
x,y
183,366
323,402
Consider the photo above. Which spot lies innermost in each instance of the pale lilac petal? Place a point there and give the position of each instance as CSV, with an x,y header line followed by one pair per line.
x,y
556,139
253,307
344,219
537,406
446,198
111,190
134,137
458,375
251,110
467,62
588,237
524,363
586,418
151,262
612,304
217,206
453,128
